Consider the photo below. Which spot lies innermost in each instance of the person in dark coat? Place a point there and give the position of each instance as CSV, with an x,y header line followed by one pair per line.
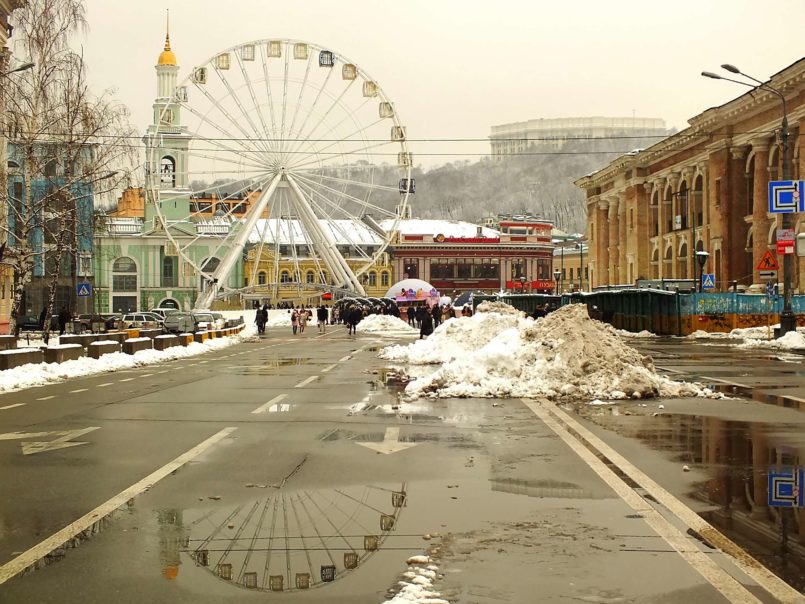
x,y
64,318
42,316
425,324
436,313
354,316
410,313
421,311
260,321
321,316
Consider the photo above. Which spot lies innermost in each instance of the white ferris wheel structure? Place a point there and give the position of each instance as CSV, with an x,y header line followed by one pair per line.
x,y
305,156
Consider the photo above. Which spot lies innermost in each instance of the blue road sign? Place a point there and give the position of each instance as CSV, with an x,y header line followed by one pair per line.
x,y
786,196
83,290
709,281
786,487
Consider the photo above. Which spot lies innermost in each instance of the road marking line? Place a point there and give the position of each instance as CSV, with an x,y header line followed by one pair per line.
x,y
126,380
12,406
326,369
79,390
147,375
46,398
305,382
42,549
775,586
161,372
262,408
346,358
104,385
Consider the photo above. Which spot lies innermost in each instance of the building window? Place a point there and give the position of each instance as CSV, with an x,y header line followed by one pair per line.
x,y
442,268
261,278
410,268
309,277
372,279
464,268
124,285
384,279
169,271
285,277
544,268
718,192
200,206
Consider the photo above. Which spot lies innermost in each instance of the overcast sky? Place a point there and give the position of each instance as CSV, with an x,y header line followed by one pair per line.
x,y
456,67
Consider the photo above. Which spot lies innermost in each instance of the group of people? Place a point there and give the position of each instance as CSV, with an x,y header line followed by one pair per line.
x,y
429,318
300,317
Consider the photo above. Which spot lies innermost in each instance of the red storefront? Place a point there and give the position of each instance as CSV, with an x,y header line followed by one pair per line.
x,y
456,256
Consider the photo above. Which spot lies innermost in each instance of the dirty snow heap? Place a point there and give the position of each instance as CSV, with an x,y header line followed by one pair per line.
x,y
564,356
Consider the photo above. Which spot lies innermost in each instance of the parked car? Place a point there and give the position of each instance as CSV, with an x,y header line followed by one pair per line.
x,y
220,321
143,320
205,320
109,321
163,312
31,323
180,322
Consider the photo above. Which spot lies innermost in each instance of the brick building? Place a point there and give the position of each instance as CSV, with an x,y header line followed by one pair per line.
x,y
704,188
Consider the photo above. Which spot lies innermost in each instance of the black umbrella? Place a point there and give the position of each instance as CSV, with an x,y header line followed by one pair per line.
x,y
464,298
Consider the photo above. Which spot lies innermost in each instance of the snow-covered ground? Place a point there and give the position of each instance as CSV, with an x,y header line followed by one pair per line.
x,y
757,337
498,352
385,324
27,376
416,584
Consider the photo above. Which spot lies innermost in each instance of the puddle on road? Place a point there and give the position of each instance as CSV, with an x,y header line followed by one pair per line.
x,y
737,457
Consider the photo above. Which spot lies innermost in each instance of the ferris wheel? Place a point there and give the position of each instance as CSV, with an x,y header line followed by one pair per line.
x,y
284,154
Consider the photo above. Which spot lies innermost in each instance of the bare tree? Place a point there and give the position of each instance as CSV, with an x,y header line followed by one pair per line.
x,y
68,146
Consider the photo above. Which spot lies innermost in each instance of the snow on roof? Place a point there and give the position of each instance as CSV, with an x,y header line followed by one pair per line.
x,y
343,232
448,228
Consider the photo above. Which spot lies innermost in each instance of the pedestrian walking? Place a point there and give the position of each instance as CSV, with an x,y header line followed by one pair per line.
x,y
436,313
64,318
321,316
354,315
410,313
294,321
260,321
426,324
42,316
303,317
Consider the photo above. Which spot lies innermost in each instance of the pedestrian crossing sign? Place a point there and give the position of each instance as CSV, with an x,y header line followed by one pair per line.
x,y
768,263
83,290
708,281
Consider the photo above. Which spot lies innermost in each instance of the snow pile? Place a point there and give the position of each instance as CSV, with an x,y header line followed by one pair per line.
x,y
454,338
565,356
793,340
27,376
635,334
416,584
384,323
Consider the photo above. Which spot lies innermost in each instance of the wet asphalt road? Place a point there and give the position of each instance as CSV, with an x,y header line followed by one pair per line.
x,y
291,489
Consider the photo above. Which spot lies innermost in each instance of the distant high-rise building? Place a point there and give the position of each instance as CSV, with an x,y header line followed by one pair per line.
x,y
554,133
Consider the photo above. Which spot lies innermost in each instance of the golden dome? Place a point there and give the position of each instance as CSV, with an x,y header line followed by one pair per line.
x,y
167,57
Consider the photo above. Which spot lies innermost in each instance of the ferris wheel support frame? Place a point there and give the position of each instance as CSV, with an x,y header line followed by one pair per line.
x,y
222,271
334,260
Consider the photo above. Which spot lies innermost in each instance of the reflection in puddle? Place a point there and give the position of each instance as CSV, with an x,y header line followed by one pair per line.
x,y
295,540
737,457
540,488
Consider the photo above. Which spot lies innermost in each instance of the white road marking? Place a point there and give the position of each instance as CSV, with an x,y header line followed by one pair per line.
x,y
718,577
63,442
346,358
12,406
79,390
126,380
306,381
46,398
18,435
161,372
39,551
147,375
391,442
262,408
328,368
104,385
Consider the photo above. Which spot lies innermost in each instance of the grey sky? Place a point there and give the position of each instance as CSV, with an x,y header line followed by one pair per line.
x,y
455,67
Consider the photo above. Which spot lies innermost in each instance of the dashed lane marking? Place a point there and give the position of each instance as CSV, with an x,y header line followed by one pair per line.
x,y
104,385
329,367
58,539
262,408
126,380
305,382
79,390
12,406
146,375
46,398
346,358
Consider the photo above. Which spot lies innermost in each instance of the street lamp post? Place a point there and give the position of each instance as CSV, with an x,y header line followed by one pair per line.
x,y
522,284
788,321
557,274
701,257
580,245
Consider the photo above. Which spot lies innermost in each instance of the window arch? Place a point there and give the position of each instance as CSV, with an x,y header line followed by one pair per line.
x,y
309,277
124,285
384,279
261,278
167,172
372,279
285,277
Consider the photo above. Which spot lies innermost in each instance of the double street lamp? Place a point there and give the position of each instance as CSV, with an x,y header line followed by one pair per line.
x,y
557,274
788,321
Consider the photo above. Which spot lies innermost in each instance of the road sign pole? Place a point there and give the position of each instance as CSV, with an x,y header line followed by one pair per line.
x,y
788,321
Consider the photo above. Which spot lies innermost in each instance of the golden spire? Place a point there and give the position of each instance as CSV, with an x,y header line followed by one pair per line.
x,y
167,57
